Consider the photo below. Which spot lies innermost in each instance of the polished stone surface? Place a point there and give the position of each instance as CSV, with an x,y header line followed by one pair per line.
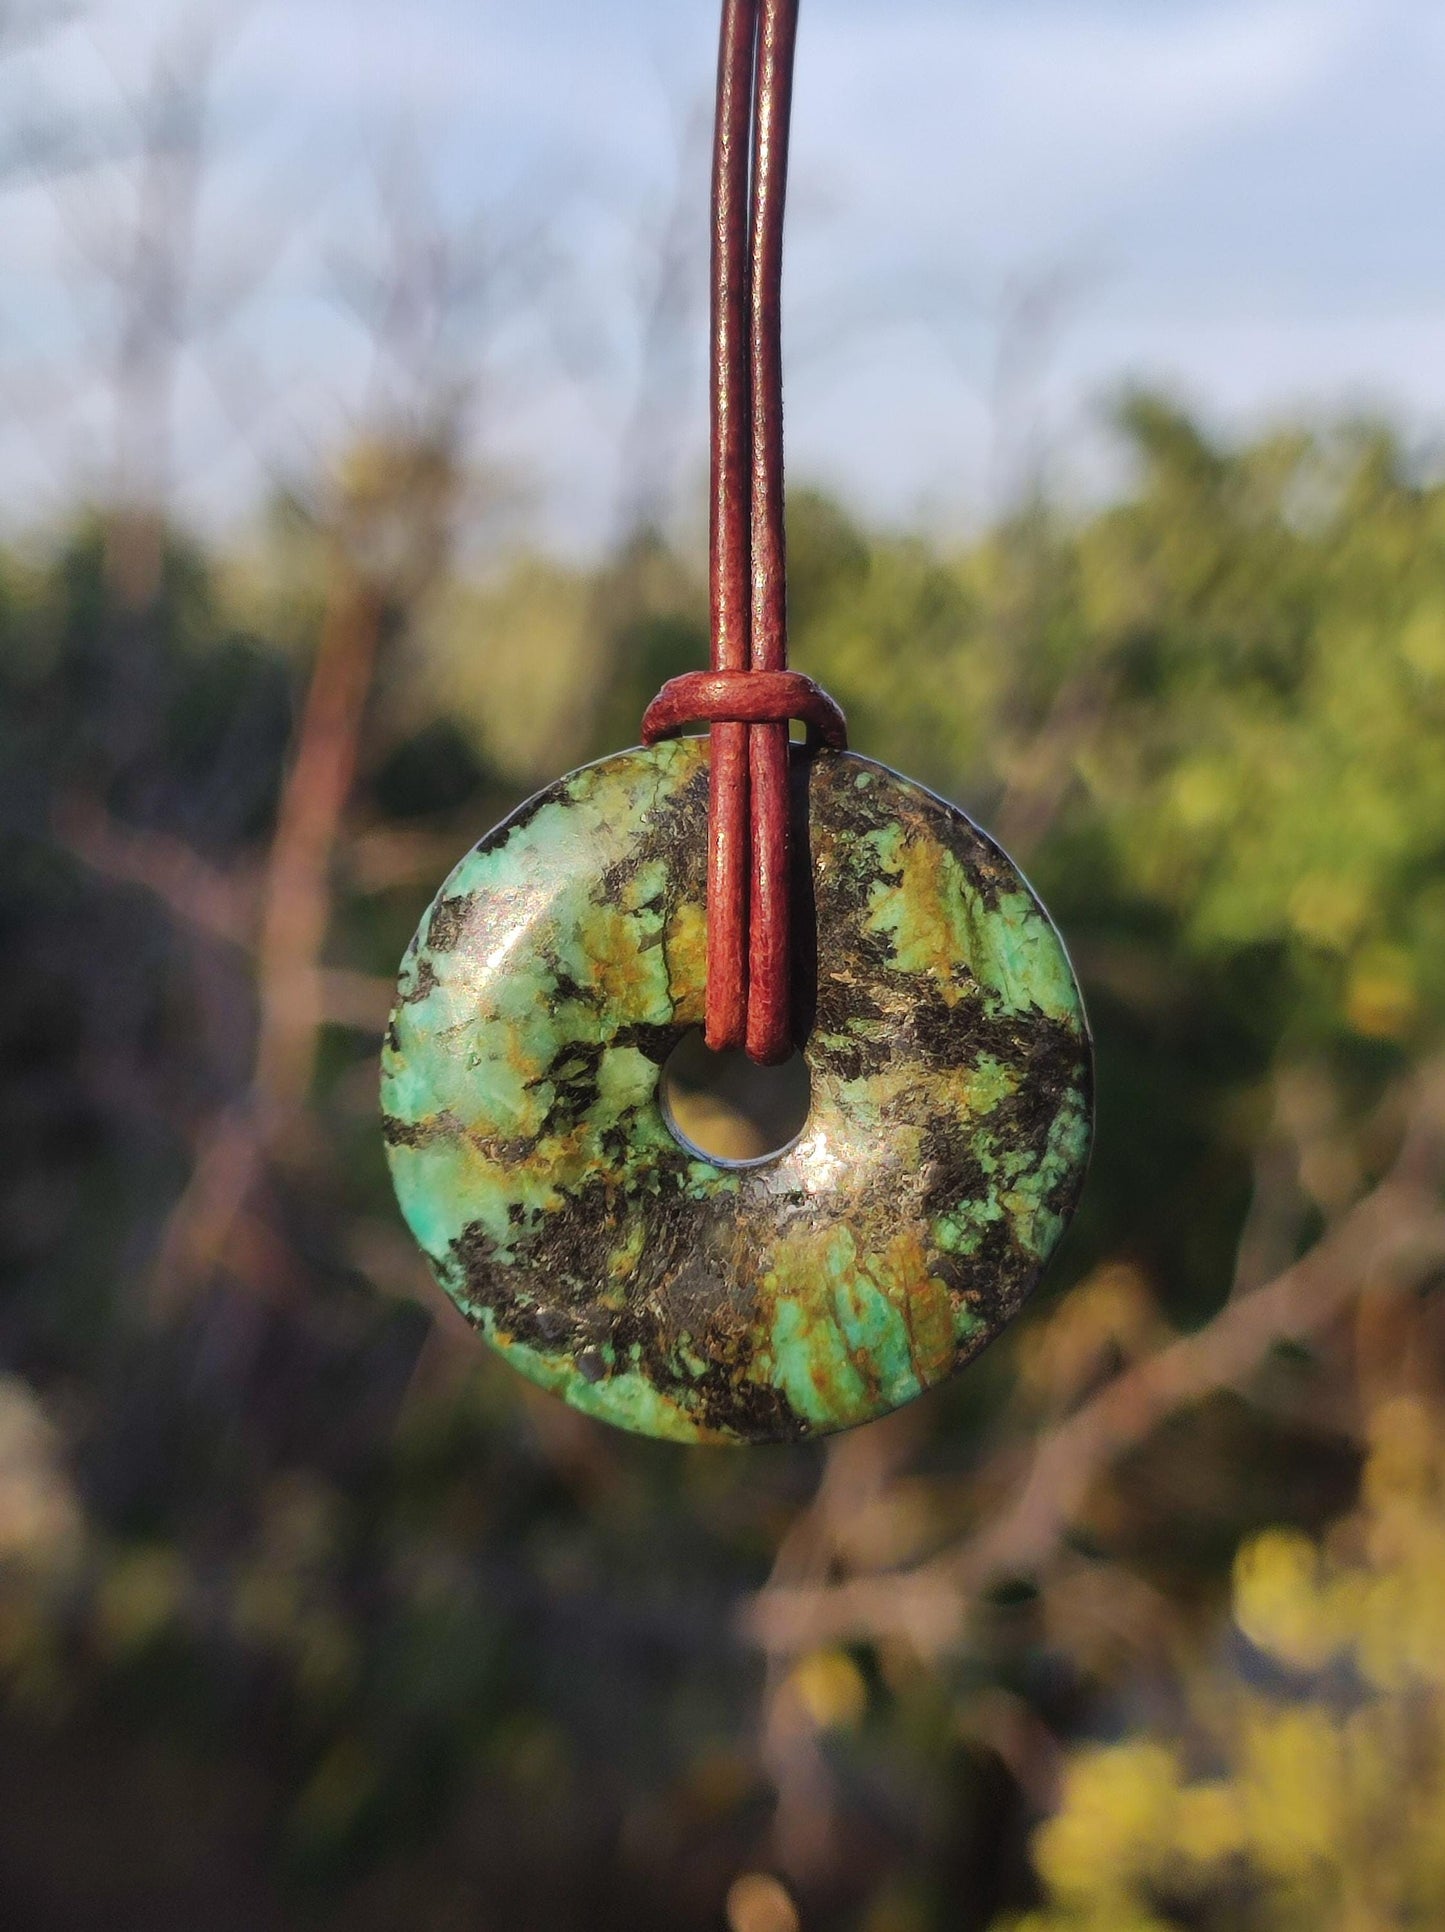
x,y
943,1155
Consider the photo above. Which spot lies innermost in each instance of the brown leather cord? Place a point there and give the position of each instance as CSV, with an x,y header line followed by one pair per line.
x,y
749,695
769,1034
730,561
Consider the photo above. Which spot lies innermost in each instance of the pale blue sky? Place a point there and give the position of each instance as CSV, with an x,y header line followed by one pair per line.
x,y
1002,210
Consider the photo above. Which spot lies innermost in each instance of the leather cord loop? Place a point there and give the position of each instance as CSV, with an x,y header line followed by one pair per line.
x,y
745,697
749,695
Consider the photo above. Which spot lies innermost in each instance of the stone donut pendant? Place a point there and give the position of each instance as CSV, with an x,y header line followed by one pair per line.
x,y
603,1254
690,1298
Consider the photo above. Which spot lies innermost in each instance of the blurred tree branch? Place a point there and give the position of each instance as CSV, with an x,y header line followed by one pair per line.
x,y
219,903
1391,1241
297,901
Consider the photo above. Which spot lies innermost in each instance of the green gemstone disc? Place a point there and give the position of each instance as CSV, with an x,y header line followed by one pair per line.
x,y
942,1156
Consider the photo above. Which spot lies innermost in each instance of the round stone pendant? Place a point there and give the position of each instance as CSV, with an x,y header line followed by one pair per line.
x,y
691,1298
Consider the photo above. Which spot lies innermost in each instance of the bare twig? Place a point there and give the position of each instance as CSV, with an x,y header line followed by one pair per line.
x,y
298,882
856,1473
1395,1236
221,904
1045,770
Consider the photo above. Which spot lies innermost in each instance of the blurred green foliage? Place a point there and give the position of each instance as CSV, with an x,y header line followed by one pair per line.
x,y
310,1612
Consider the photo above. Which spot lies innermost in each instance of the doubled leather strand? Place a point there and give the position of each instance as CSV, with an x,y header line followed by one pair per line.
x,y
749,695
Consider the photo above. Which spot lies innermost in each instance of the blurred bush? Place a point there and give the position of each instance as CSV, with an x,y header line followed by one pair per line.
x,y
1306,1784
310,1611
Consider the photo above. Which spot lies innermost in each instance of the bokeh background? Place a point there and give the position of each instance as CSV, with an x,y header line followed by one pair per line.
x,y
352,365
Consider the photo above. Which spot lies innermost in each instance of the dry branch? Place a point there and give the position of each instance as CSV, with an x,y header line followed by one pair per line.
x,y
220,904
1393,1238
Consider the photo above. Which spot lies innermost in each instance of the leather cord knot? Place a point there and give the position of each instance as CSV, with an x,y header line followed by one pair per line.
x,y
749,695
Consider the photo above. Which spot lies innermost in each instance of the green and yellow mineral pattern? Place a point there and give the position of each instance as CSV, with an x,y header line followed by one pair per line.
x,y
682,1297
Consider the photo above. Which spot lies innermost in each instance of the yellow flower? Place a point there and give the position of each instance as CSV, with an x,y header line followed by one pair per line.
x,y
1208,1826
1292,1789
830,1687
1381,1001
1116,1818
1278,1601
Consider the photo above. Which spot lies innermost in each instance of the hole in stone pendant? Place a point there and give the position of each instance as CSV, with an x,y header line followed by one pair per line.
x,y
728,1109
